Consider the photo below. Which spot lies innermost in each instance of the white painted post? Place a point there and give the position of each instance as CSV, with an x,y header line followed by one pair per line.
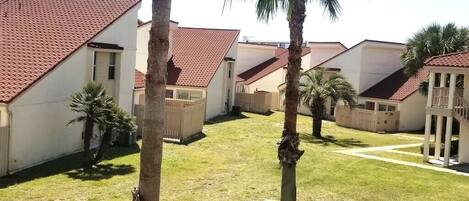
x,y
431,85
439,132
439,123
449,121
428,118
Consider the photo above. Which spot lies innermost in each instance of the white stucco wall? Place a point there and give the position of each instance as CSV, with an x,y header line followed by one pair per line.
x,y
143,36
3,115
250,55
368,63
378,62
39,116
349,64
463,144
216,91
269,82
412,112
320,52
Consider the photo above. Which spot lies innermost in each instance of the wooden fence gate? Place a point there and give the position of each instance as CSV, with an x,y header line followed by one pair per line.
x,y
4,142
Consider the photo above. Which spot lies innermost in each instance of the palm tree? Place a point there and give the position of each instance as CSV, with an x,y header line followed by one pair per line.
x,y
288,151
91,102
152,143
315,89
431,41
116,123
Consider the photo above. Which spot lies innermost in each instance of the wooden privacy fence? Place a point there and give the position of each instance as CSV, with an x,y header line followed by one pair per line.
x,y
369,120
4,141
258,102
276,104
183,118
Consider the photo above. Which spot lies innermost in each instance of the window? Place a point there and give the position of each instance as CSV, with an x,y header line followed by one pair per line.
x,y
94,66
230,69
169,93
184,95
382,107
195,95
386,108
112,66
369,105
189,95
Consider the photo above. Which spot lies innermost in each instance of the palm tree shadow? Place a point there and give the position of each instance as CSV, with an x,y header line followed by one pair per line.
x,y
328,140
100,172
225,118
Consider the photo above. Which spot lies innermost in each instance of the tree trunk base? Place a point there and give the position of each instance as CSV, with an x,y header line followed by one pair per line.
x,y
288,192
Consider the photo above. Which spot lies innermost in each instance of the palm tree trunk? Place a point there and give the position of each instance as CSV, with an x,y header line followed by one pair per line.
x,y
86,143
317,124
103,145
152,143
288,151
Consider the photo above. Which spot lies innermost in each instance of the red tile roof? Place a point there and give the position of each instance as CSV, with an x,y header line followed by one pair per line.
x,y
37,35
397,86
139,79
197,55
457,59
257,72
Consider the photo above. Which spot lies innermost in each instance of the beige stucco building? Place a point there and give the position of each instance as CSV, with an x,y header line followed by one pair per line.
x,y
447,100
268,71
34,96
363,65
202,64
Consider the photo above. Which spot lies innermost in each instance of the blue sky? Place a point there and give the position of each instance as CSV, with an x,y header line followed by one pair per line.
x,y
389,20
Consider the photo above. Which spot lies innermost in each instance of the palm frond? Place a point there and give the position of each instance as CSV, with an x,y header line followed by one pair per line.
x,y
332,8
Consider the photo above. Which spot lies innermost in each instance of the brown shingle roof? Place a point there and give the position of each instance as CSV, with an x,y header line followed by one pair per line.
x,y
397,86
197,55
36,35
457,59
267,67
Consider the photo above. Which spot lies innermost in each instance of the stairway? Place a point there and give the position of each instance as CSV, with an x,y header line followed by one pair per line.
x,y
461,110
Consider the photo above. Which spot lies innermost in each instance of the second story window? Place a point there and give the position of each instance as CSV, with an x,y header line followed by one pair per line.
x,y
94,66
112,66
230,69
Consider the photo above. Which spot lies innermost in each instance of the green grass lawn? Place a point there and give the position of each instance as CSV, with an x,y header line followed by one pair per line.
x,y
411,149
237,161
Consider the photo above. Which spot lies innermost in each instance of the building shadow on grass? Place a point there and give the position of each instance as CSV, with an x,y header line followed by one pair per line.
x,y
464,167
327,140
225,118
192,139
68,163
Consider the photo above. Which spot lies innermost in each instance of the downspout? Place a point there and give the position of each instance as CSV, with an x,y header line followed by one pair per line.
x,y
10,128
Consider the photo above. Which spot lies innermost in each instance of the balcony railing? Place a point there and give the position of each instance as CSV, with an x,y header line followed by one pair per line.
x,y
441,96
461,109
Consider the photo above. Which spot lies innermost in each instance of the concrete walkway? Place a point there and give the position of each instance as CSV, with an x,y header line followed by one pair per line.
x,y
360,153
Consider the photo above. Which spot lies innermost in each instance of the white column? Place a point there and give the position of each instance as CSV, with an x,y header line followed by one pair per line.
x,y
431,85
439,132
428,118
439,123
449,120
